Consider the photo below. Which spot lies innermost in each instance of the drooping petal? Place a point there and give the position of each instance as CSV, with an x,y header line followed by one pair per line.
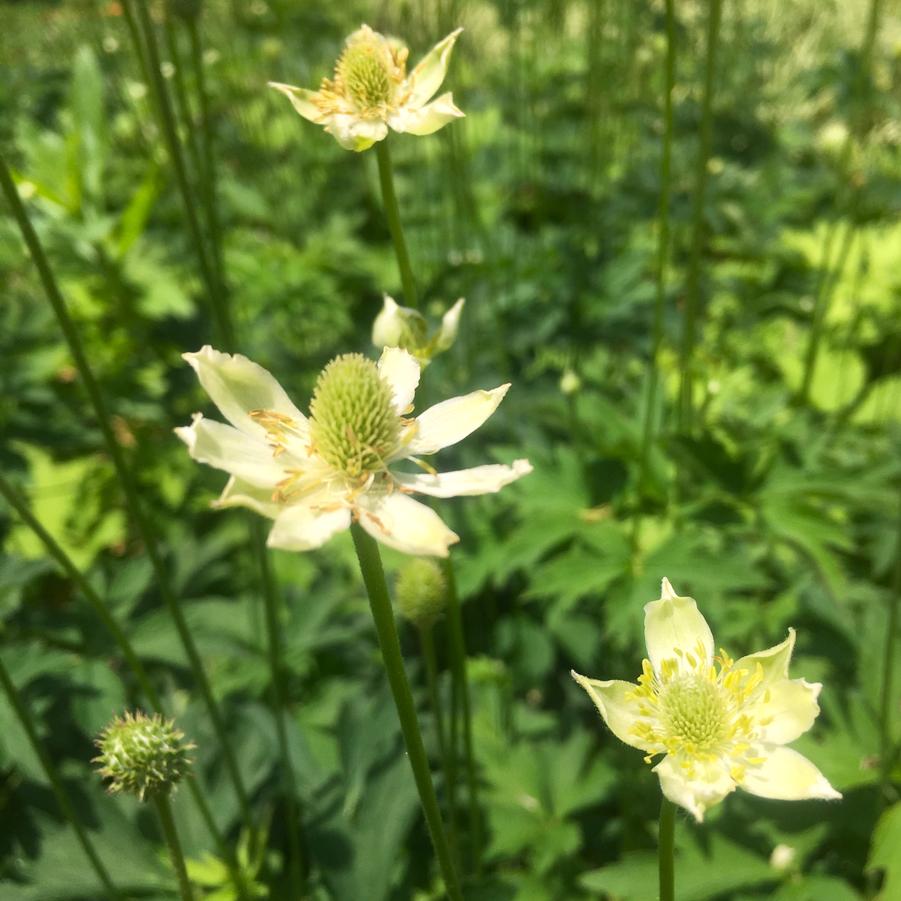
x,y
400,369
450,325
238,386
616,703
302,527
428,74
772,663
238,493
452,420
786,710
478,480
675,624
406,525
354,133
786,775
694,784
304,101
427,119
228,449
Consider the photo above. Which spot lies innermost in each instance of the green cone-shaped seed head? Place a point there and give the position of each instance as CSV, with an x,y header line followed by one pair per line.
x,y
143,755
364,69
421,591
355,426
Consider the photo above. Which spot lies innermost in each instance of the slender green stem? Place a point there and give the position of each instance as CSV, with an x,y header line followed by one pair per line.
x,y
383,616
888,664
167,821
427,646
698,226
663,208
665,850
392,214
279,709
62,796
126,479
458,669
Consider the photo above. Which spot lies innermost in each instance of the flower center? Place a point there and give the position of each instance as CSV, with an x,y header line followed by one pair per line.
x,y
694,711
364,70
354,425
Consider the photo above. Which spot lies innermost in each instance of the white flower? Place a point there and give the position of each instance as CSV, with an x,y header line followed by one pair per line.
x,y
397,326
371,91
314,475
720,723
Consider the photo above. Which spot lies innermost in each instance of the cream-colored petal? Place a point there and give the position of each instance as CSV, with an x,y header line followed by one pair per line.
x,y
674,628
356,134
406,525
478,480
427,119
772,663
238,493
785,710
400,369
786,775
228,449
428,74
616,703
302,527
304,101
693,784
452,420
450,325
238,386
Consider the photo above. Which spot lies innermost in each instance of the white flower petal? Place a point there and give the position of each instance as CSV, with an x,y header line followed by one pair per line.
x,y
675,624
302,527
238,493
478,480
388,328
452,420
400,369
786,710
356,134
773,662
237,386
406,525
786,775
707,785
427,76
450,325
425,120
616,703
224,447
304,101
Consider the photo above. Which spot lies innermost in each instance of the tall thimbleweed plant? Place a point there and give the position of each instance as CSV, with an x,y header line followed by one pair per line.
x,y
708,723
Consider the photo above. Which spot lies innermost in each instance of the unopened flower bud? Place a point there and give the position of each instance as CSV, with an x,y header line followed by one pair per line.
x,y
570,383
421,592
143,755
404,327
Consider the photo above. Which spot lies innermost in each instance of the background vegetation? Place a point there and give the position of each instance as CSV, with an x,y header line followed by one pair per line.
x,y
756,464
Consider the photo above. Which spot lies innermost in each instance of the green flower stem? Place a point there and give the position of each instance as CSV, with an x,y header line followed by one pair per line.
x,y
458,669
383,616
392,214
62,796
665,850
663,209
279,705
127,481
698,226
886,751
164,810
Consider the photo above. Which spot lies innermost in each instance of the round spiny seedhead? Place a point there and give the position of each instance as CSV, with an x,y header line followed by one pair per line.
x,y
365,70
354,424
421,592
143,755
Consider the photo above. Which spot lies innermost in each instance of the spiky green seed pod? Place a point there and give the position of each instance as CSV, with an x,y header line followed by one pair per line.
x,y
421,591
143,755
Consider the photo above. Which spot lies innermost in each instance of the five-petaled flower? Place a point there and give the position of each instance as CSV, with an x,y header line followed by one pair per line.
x,y
315,475
371,91
720,723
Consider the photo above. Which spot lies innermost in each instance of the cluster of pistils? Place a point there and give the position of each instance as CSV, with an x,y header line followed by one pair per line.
x,y
368,73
